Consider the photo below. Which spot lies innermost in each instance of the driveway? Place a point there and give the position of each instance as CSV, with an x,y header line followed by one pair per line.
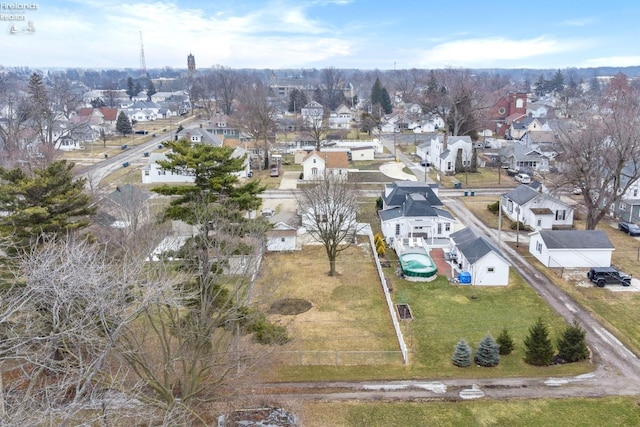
x,y
395,170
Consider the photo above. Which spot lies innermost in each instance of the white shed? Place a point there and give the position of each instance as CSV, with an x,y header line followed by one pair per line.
x,y
571,248
282,237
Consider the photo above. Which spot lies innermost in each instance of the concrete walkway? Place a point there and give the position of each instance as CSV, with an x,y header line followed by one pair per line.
x,y
289,180
394,170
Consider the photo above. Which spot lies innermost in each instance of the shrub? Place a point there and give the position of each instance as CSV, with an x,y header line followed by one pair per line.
x,y
461,354
538,346
494,207
572,346
487,353
268,333
505,342
290,306
379,203
515,225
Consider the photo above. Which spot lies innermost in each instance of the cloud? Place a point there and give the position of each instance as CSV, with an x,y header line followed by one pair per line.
x,y
612,61
578,22
492,51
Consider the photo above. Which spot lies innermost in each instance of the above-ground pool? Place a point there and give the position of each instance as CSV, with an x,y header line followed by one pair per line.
x,y
418,265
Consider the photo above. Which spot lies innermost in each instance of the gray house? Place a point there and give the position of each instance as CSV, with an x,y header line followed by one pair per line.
x,y
571,248
480,258
535,209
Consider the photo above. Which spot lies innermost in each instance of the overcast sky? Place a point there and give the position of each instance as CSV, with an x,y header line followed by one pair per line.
x,y
365,34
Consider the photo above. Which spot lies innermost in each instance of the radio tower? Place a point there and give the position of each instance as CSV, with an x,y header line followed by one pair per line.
x,y
143,64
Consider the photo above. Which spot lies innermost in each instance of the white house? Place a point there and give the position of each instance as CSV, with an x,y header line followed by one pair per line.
x,y
527,124
152,173
537,210
571,248
444,151
312,114
480,258
282,237
317,165
415,217
423,151
340,118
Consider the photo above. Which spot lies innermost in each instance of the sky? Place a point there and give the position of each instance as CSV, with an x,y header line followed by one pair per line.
x,y
361,34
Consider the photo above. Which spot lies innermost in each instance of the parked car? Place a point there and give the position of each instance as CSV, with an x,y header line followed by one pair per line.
x,y
608,275
523,178
425,163
512,172
630,228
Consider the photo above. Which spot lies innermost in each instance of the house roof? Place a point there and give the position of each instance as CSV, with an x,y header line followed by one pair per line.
x,y
282,230
333,159
400,189
206,136
125,194
479,247
522,194
542,211
463,236
415,205
575,239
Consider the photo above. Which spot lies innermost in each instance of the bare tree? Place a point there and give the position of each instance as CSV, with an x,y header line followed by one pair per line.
x,y
227,84
204,93
256,115
330,92
316,126
601,151
329,207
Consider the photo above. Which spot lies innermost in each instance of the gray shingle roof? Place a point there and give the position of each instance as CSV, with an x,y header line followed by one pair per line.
x,y
522,194
576,239
478,248
398,195
463,236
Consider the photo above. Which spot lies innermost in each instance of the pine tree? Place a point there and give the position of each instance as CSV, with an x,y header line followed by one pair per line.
x,y
49,202
151,90
487,354
387,106
123,124
572,346
538,346
376,92
131,89
461,354
505,342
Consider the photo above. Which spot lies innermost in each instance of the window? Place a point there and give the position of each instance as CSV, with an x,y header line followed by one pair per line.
x,y
539,223
623,206
447,227
560,215
491,270
448,165
314,171
539,247
439,228
146,173
397,229
282,239
635,192
501,110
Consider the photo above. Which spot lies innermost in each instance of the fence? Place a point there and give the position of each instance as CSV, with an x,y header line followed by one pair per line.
x,y
387,295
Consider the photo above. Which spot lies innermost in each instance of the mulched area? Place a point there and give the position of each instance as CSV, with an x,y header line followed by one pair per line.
x,y
444,268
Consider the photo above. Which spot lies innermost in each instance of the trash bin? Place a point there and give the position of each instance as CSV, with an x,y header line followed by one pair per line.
x,y
125,164
466,193
457,185
473,193
106,156
159,146
145,154
123,146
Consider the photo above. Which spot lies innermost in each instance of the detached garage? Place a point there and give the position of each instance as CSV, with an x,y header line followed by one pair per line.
x,y
571,248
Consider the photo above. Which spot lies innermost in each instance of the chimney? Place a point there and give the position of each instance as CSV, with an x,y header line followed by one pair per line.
x,y
188,136
444,141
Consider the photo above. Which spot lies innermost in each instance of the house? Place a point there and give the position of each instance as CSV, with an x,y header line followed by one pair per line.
x,y
340,118
282,237
317,165
536,210
200,136
422,151
512,105
415,218
143,111
628,206
152,173
571,248
312,114
219,124
480,258
526,124
518,156
444,152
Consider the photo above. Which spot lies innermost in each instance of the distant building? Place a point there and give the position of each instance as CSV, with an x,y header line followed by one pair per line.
x,y
191,63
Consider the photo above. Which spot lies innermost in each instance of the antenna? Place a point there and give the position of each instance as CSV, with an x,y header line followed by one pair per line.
x,y
143,65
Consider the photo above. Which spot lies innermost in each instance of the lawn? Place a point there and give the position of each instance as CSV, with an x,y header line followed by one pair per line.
x,y
619,311
485,177
621,411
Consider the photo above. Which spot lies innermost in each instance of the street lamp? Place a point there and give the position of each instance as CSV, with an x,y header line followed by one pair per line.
x,y
517,226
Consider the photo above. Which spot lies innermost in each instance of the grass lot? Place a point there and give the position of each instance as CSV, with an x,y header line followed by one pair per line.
x,y
369,177
485,177
619,311
349,312
620,411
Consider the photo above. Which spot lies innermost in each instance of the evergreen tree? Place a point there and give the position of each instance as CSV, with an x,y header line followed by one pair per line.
x,y
474,160
572,346
49,202
123,124
557,83
376,92
505,342
131,89
458,166
151,90
138,88
215,185
387,106
538,345
461,354
487,354
297,100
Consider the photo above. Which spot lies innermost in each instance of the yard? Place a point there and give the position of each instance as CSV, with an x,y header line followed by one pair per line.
x,y
619,311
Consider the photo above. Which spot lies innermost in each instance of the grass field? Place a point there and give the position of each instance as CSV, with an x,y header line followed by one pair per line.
x,y
611,411
619,311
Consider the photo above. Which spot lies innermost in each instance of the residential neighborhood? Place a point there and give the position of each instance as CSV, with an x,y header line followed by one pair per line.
x,y
312,234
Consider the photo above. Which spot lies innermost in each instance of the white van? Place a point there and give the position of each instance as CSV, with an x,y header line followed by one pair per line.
x,y
523,178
